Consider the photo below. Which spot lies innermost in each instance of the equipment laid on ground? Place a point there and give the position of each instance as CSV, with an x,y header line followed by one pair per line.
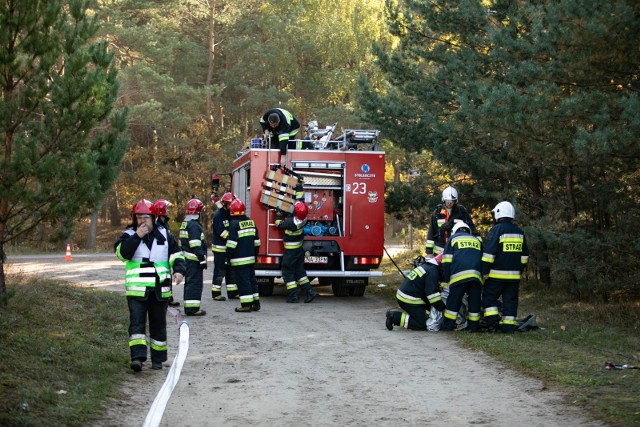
x,y
341,181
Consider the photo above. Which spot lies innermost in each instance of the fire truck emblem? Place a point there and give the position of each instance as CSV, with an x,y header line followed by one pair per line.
x,y
365,168
372,196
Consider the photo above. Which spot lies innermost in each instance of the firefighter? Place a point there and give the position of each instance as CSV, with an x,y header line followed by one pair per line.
x,y
504,258
419,292
221,221
149,254
194,247
242,246
462,271
281,125
445,216
160,209
293,272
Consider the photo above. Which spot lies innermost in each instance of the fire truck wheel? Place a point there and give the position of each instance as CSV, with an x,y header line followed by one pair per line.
x,y
357,290
265,286
339,287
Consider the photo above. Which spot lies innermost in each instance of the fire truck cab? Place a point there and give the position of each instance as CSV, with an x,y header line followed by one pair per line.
x,y
342,182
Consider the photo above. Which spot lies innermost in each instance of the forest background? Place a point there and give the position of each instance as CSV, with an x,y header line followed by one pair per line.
x,y
535,102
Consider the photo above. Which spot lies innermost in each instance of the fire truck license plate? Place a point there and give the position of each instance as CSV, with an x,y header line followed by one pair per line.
x,y
316,259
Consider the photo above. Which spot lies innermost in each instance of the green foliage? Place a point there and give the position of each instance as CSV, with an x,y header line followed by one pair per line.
x,y
61,360
535,101
305,56
63,142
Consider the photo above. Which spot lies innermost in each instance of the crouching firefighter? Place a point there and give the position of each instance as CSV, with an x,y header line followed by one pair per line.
x,y
293,272
243,243
462,270
149,254
418,293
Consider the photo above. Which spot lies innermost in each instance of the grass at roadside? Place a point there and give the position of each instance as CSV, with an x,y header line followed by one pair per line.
x,y
62,352
569,352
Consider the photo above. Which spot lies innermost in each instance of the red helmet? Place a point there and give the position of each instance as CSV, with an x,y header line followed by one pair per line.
x,y
160,207
227,197
300,210
237,207
143,207
194,207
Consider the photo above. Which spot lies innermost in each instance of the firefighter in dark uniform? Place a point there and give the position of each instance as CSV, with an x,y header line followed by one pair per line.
x,y
504,258
149,254
194,247
242,246
293,272
221,221
462,271
443,219
417,294
160,209
282,125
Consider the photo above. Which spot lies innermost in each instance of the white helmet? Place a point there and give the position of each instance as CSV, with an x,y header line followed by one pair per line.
x,y
458,226
450,194
504,210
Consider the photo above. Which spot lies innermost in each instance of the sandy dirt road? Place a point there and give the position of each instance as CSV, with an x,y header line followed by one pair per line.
x,y
328,363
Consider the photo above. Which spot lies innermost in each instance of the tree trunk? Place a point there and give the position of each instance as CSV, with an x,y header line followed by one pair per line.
x,y
536,210
572,211
396,226
93,229
212,46
114,209
3,287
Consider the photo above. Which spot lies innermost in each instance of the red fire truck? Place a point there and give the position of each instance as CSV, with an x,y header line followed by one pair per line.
x,y
343,184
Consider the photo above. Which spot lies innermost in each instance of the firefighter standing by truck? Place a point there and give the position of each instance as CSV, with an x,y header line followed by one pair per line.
x,y
293,272
418,293
504,258
221,220
161,209
149,253
281,125
194,247
444,217
462,271
243,243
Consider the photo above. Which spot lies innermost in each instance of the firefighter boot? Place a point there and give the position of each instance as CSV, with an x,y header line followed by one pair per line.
x,y
245,308
255,305
389,322
293,296
311,294
136,365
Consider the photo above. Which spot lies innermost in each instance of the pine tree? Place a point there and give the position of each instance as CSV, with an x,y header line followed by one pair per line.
x,y
536,101
62,139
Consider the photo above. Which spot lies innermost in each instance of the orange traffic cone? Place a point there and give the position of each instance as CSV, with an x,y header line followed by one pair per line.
x,y
68,256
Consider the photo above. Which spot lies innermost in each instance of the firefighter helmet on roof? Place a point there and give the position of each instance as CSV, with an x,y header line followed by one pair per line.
x,y
160,207
143,207
300,210
237,207
194,207
504,210
450,194
460,226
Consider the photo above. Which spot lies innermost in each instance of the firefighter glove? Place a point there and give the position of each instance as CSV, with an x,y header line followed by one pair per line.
x,y
203,264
